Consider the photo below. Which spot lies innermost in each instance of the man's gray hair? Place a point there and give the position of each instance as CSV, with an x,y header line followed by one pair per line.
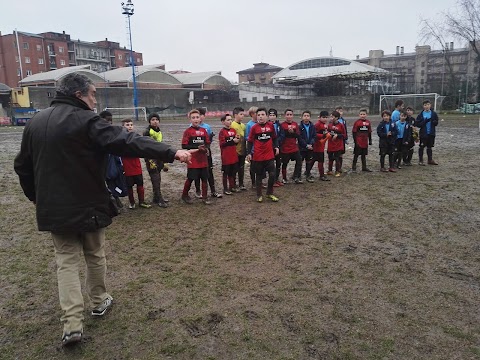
x,y
74,82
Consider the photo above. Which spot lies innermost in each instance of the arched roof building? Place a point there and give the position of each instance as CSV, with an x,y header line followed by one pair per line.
x,y
51,78
322,68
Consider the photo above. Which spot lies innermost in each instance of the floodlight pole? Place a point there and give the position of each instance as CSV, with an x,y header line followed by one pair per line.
x,y
127,10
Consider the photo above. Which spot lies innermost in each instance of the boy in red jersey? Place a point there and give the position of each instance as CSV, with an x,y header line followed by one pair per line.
x,y
289,147
336,145
262,144
196,137
228,140
322,136
362,137
133,174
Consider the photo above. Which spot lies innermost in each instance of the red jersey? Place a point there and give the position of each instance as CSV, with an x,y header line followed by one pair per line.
x,y
362,130
290,143
337,144
228,148
192,139
131,166
321,130
262,136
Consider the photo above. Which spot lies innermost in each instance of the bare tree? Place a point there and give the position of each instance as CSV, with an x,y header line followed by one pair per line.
x,y
464,24
433,31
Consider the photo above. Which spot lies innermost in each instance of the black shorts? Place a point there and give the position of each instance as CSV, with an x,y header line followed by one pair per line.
x,y
230,170
261,167
386,150
290,156
357,150
332,155
306,155
198,174
428,141
319,156
134,180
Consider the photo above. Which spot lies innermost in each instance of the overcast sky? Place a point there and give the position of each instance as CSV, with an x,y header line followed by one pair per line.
x,y
229,36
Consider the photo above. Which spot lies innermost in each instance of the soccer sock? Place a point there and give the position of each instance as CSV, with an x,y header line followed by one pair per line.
x,y
364,162
330,165
309,167
186,187
130,195
197,185
320,169
258,186
390,160
429,154
204,190
211,180
271,180
284,173
382,161
231,181
338,165
224,181
354,163
241,174
141,194
420,154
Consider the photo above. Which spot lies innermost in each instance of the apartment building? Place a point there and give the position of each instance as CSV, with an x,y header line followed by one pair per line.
x,y
447,72
23,54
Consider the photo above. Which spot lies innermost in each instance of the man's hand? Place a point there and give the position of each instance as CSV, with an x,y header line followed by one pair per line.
x,y
249,157
277,151
309,147
236,140
202,148
184,156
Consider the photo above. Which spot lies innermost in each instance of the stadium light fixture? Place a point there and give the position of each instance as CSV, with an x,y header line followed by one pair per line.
x,y
127,10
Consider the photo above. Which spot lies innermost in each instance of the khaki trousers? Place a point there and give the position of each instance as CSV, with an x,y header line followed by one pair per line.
x,y
68,255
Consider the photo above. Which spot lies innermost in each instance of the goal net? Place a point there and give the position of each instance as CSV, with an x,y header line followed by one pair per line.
x,y
387,102
118,114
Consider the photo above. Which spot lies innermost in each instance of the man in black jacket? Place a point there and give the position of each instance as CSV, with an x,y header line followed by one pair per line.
x,y
61,167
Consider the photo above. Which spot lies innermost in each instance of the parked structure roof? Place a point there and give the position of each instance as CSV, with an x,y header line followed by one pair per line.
x,y
314,69
51,77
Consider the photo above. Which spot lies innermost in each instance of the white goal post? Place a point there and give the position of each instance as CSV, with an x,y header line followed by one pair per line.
x,y
126,113
414,100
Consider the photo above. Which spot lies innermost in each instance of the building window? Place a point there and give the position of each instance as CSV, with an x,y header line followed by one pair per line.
x,y
120,57
277,97
244,99
254,98
60,49
16,59
422,81
40,61
19,73
39,47
423,72
29,72
25,46
139,60
62,62
265,98
27,60
423,63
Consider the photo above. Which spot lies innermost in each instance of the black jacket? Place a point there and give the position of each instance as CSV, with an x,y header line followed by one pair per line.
x,y
62,164
421,123
384,140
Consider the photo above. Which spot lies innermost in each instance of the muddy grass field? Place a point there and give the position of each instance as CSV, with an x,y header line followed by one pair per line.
x,y
367,266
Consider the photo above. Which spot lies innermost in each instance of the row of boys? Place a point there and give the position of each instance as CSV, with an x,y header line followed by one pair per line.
x,y
270,145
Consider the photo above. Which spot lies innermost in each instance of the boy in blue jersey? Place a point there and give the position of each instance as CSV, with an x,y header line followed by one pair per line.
x,y
306,141
253,114
399,105
402,143
427,121
273,118
387,134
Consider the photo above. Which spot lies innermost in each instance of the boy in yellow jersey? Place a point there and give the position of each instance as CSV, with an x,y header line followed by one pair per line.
x,y
239,127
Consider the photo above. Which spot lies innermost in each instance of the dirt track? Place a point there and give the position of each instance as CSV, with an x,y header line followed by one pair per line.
x,y
367,266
